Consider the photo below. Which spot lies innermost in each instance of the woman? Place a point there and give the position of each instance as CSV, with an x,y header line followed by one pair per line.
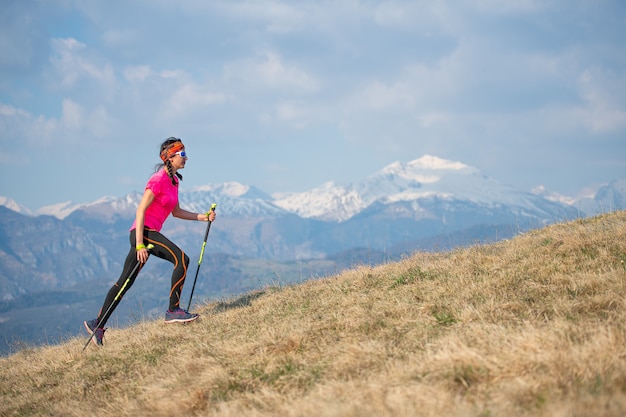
x,y
160,198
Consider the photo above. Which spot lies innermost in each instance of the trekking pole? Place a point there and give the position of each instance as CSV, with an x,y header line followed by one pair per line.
x,y
117,298
206,236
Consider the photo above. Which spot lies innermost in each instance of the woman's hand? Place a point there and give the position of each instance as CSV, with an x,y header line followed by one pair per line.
x,y
207,217
142,255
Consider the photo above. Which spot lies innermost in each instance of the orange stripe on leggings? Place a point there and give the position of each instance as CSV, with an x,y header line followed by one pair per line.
x,y
181,280
175,264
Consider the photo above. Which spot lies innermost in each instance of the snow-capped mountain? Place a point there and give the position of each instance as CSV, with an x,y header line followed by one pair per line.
x,y
428,177
595,200
14,206
610,197
107,207
233,199
419,182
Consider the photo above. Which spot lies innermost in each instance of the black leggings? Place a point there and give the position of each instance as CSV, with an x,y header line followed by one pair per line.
x,y
164,249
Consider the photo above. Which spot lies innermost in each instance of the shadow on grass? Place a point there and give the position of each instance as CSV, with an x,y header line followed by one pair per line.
x,y
243,301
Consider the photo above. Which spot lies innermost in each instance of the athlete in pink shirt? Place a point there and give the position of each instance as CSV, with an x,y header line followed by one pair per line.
x,y
160,199
165,200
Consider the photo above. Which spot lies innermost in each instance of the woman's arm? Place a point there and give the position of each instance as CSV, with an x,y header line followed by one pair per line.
x,y
188,215
140,218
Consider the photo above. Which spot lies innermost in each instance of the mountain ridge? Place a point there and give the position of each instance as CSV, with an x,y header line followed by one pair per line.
x,y
426,177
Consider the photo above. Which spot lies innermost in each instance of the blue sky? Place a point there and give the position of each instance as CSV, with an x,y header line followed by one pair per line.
x,y
286,95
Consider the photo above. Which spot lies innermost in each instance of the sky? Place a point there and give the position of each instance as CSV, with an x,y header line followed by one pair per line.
x,y
288,95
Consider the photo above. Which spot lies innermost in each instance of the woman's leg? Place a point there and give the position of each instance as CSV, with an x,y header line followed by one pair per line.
x,y
166,249
129,266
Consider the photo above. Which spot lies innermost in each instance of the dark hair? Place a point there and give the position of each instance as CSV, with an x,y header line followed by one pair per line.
x,y
167,164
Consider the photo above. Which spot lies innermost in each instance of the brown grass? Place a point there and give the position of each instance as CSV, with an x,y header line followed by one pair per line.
x,y
533,326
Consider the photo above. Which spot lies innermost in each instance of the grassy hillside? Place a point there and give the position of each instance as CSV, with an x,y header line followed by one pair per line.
x,y
534,326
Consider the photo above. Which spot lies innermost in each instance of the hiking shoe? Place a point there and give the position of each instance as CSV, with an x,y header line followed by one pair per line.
x,y
179,316
90,326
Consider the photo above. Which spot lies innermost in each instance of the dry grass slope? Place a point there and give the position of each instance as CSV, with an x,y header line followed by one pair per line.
x,y
534,326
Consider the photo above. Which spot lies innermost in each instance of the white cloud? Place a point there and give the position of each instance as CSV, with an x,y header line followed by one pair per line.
x,y
269,71
10,111
605,99
173,74
73,115
71,61
19,123
77,124
118,38
190,99
377,96
137,73
39,133
509,7
431,119
292,113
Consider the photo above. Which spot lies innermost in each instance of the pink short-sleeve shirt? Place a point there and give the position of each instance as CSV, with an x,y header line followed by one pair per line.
x,y
165,200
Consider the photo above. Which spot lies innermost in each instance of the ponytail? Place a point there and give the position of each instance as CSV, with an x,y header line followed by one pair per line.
x,y
168,168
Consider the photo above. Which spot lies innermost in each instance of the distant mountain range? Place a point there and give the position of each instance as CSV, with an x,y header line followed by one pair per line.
x,y
59,252
426,178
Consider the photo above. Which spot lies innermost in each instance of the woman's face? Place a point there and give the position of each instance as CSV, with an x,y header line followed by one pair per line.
x,y
179,159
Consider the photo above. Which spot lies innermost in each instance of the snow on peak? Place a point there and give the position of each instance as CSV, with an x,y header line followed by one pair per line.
x,y
331,201
231,188
107,205
541,191
393,168
13,205
235,189
60,210
435,163
427,169
423,178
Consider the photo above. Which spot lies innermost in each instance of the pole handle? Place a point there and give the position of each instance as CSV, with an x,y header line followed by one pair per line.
x,y
206,234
